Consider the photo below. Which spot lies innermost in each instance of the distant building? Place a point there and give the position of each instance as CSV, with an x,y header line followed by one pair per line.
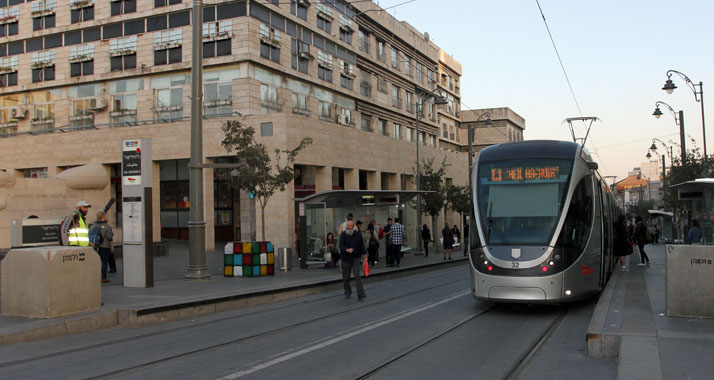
x,y
637,188
507,126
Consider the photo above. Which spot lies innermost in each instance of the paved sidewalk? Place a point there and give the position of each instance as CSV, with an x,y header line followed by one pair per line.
x,y
630,322
172,297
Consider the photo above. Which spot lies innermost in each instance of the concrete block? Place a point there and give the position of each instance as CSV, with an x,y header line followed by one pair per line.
x,y
689,281
49,282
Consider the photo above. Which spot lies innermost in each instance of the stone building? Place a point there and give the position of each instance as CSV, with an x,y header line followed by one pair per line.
x,y
79,76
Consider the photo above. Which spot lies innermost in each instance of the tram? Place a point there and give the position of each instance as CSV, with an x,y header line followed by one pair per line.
x,y
542,224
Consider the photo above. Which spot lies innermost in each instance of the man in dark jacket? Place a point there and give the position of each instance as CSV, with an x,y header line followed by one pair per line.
x,y
352,253
641,238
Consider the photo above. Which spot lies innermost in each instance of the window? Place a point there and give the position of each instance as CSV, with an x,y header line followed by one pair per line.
x,y
324,66
299,8
407,66
395,63
396,101
432,140
410,134
347,73
43,112
81,60
8,21
169,97
119,7
300,92
269,99
167,47
11,108
163,3
217,38
363,41
43,14
410,104
397,131
430,76
380,51
324,17
269,43
123,53
43,66
578,221
382,85
81,10
300,56
346,29
8,72
124,95
382,127
365,84
218,92
366,123
421,137
419,73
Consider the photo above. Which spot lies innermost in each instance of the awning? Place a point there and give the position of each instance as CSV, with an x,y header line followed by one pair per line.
x,y
351,198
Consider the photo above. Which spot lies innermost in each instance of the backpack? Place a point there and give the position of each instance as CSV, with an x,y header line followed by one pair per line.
x,y
95,235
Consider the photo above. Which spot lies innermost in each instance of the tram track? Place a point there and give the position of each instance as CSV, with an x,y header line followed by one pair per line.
x,y
214,346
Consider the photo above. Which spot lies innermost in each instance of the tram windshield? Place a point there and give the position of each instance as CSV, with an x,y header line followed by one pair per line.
x,y
520,201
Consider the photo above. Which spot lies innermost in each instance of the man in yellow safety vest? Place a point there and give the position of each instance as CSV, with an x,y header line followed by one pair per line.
x,y
74,227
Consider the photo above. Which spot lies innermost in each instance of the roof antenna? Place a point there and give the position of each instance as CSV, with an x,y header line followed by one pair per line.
x,y
587,122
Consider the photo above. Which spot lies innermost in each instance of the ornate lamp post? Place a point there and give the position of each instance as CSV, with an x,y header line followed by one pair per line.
x,y
669,87
678,120
489,123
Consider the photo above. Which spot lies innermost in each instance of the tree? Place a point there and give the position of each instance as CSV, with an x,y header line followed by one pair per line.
x,y
458,199
433,180
694,166
256,174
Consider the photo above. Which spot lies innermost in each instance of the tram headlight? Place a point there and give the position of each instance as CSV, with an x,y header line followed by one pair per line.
x,y
568,292
551,263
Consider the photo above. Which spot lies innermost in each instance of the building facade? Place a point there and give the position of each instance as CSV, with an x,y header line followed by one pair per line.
x,y
78,77
506,126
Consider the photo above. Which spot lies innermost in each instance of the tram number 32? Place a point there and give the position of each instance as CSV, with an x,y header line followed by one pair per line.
x,y
514,264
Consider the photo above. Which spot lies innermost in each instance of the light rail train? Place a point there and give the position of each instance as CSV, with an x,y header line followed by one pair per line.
x,y
542,224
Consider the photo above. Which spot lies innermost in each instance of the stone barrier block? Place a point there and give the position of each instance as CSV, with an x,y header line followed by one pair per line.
x,y
49,282
690,281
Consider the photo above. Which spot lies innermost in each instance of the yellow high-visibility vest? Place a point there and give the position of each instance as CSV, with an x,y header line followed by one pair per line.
x,y
79,234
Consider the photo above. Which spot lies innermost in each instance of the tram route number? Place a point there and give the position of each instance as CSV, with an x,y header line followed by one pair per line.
x,y
514,264
533,173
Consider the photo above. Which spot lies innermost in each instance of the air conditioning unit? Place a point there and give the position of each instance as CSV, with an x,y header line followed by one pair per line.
x,y
343,119
96,104
18,113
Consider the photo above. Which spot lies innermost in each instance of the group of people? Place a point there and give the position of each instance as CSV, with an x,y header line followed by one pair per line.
x,y
74,231
450,236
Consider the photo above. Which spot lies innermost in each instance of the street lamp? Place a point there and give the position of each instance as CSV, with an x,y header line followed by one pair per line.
x,y
489,123
418,115
677,120
653,149
669,87
667,148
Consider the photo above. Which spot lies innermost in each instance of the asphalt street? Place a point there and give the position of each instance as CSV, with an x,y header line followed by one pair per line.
x,y
425,326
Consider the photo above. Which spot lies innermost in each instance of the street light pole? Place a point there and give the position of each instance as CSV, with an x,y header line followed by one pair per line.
x,y
197,269
669,87
489,122
677,120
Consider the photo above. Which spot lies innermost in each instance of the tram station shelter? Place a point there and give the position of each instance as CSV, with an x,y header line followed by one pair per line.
x,y
322,213
665,222
698,199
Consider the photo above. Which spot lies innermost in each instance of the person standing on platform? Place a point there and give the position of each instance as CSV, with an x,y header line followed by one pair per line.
x,y
694,235
448,236
74,230
425,238
457,234
641,238
466,243
621,244
372,240
388,242
352,253
398,234
106,242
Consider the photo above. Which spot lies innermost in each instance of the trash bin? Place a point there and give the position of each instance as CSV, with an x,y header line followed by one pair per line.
x,y
285,259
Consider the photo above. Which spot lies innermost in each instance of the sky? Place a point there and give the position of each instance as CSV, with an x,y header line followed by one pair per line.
x,y
616,55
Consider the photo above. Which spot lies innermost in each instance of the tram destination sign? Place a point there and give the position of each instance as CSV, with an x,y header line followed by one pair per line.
x,y
525,173
131,162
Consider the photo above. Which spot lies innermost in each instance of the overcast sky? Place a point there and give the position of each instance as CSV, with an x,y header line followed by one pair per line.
x,y
616,54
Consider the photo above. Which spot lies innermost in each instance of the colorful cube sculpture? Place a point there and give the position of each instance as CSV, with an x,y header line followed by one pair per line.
x,y
250,259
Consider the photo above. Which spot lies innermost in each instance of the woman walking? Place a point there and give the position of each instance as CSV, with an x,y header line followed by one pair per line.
x,y
641,237
425,238
621,244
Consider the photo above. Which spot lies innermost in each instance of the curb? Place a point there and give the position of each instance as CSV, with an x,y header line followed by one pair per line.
x,y
601,344
189,309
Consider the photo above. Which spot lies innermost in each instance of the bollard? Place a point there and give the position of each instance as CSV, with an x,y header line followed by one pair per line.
x,y
285,259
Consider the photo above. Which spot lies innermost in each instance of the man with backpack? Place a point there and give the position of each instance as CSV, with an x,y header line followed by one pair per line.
x,y
101,238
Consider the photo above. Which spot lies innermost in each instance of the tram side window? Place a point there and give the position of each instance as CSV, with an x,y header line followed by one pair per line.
x,y
578,222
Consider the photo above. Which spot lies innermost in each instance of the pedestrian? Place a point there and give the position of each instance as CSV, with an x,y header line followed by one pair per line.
x,y
641,238
388,242
332,249
343,225
457,234
425,238
621,246
448,240
656,234
694,235
398,235
352,253
372,244
378,231
466,243
73,230
106,242
358,225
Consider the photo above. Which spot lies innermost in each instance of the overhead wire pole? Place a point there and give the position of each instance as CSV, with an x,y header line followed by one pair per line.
x,y
197,269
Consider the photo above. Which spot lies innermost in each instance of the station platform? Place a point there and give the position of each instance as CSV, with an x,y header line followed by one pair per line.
x,y
630,323
172,297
